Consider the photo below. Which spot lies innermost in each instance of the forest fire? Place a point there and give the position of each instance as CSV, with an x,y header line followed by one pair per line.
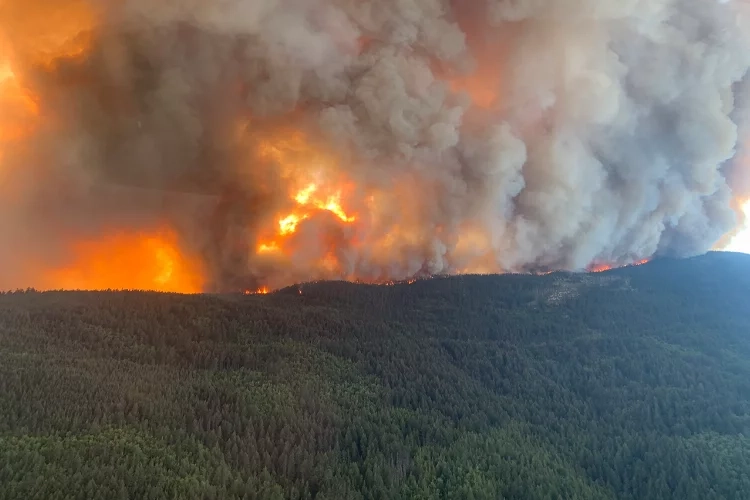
x,y
308,200
128,261
316,194
291,144
38,34
600,268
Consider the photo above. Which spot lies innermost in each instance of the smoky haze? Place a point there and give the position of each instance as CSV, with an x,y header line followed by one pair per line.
x,y
457,136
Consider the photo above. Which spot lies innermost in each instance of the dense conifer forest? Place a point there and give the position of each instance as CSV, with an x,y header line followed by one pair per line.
x,y
628,384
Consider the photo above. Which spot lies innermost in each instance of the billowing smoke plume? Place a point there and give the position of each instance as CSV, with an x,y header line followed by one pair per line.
x,y
290,140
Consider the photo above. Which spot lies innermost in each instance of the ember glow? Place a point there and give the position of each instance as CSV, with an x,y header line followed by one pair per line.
x,y
308,201
315,188
245,146
600,268
127,261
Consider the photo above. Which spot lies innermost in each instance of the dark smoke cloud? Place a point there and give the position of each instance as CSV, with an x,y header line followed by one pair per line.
x,y
608,135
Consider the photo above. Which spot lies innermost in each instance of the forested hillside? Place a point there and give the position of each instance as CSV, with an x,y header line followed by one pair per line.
x,y
628,384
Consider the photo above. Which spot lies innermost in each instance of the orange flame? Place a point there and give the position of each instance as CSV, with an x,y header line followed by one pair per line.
x,y
602,267
316,189
306,204
129,261
39,34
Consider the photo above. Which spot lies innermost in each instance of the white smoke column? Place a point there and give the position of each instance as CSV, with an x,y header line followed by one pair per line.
x,y
497,136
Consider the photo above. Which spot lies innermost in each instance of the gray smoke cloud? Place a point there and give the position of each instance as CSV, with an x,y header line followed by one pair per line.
x,y
497,135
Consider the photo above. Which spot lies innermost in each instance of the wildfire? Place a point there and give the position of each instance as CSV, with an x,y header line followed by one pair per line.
x,y
129,261
600,267
318,223
35,33
307,203
298,159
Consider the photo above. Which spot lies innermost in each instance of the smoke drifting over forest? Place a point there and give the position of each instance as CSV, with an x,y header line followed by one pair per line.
x,y
188,145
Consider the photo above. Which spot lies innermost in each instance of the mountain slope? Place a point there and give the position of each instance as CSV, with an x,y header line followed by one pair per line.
x,y
632,384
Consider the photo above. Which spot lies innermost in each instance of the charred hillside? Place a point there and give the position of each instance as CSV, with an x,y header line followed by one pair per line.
x,y
628,384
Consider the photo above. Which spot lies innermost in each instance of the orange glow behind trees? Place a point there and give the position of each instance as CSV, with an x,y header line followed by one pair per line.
x,y
129,261
36,35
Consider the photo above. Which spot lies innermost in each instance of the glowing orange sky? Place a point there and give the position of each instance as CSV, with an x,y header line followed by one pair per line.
x,y
42,31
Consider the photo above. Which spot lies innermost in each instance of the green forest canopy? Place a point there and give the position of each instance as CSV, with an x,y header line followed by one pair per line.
x,y
629,384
